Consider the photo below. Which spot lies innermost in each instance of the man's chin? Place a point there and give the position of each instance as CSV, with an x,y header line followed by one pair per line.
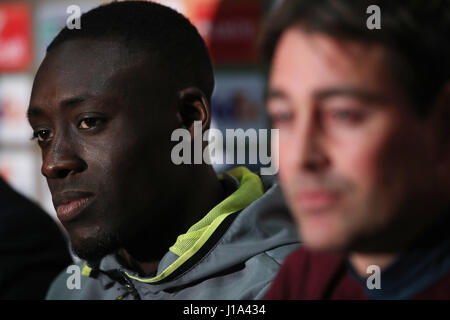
x,y
94,249
325,239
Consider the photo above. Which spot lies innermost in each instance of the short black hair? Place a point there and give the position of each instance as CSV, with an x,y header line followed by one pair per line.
x,y
152,28
415,32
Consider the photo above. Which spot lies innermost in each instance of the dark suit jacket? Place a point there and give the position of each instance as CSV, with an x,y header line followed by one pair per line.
x,y
33,249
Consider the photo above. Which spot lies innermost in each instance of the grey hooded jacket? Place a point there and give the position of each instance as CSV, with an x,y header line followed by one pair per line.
x,y
232,254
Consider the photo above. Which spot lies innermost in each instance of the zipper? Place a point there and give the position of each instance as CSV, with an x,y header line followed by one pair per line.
x,y
131,289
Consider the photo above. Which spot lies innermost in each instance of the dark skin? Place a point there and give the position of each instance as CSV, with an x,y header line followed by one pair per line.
x,y
103,120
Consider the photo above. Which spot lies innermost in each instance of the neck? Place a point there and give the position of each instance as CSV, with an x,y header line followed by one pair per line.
x,y
425,232
203,194
144,268
200,192
361,261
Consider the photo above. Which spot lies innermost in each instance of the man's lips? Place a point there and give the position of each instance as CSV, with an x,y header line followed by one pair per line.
x,y
69,204
315,199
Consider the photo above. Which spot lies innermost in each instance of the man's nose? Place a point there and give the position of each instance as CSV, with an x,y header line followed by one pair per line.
x,y
61,160
310,153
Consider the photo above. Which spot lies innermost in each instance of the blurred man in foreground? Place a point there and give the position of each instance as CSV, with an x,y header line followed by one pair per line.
x,y
364,119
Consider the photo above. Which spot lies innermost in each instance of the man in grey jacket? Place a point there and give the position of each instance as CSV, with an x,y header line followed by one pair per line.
x,y
104,104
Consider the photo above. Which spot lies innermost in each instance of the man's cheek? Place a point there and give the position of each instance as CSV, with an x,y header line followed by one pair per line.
x,y
359,163
286,168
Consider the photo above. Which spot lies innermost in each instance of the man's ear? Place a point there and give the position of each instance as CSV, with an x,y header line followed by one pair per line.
x,y
193,106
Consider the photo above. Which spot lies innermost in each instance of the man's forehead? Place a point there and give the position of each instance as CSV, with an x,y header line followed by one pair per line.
x,y
98,49
296,45
82,67
84,58
315,60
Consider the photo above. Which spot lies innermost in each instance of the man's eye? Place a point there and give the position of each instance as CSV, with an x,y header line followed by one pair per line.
x,y
88,123
347,116
281,117
42,135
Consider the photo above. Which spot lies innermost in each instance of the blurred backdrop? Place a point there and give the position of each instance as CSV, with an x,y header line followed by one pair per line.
x,y
230,28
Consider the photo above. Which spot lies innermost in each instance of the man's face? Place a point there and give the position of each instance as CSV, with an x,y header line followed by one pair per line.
x,y
355,162
104,135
